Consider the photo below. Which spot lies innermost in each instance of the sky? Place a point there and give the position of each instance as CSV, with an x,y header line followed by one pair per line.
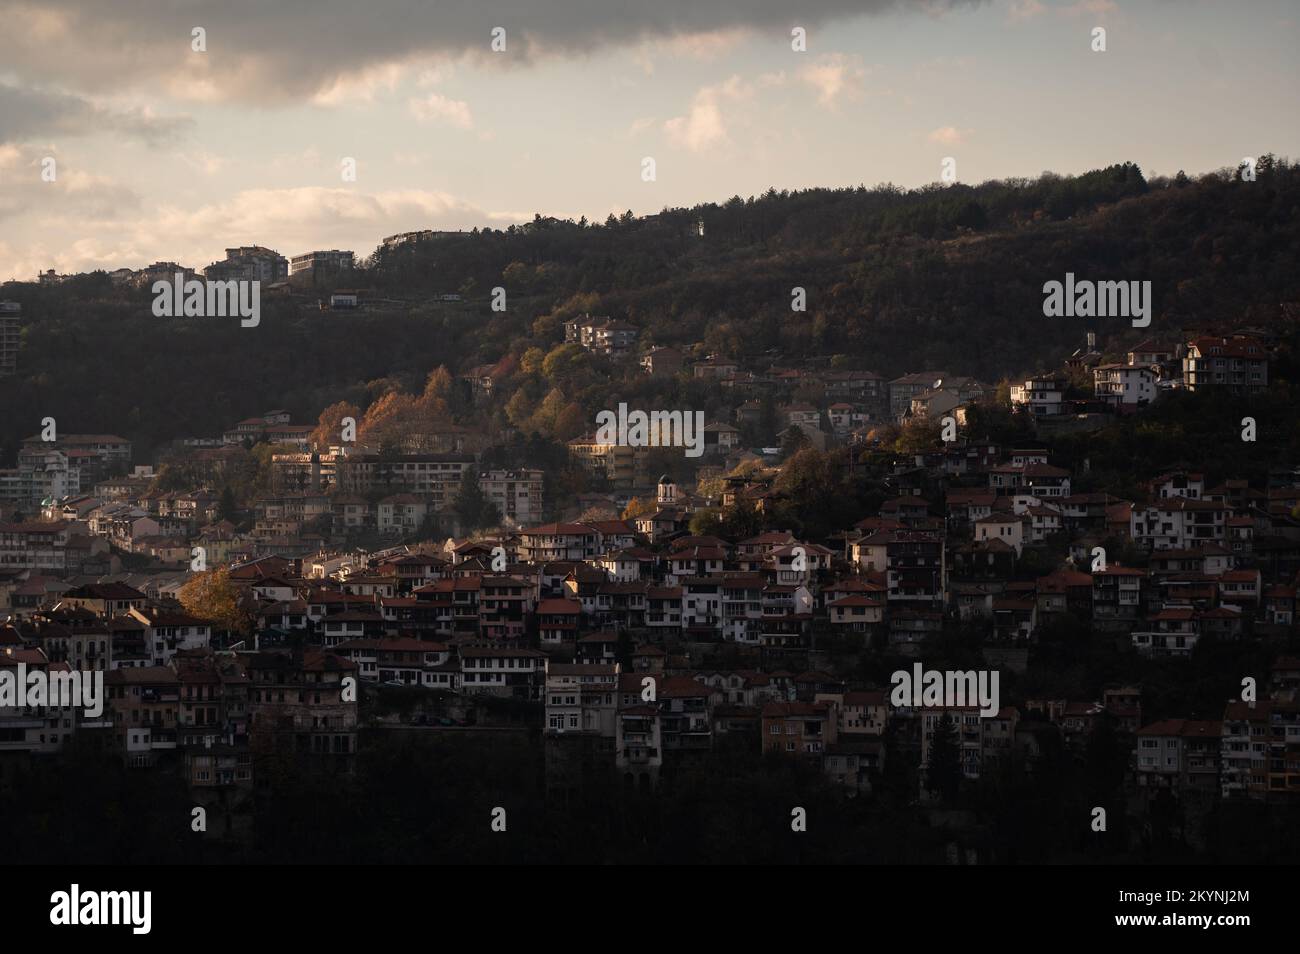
x,y
165,152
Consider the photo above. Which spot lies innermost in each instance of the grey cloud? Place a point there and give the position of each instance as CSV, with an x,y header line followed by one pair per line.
x,y
75,196
27,114
291,48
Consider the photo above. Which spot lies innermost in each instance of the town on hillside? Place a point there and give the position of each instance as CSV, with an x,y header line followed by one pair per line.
x,y
628,612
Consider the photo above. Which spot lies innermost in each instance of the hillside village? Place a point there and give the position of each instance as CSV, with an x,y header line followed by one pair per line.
x,y
634,618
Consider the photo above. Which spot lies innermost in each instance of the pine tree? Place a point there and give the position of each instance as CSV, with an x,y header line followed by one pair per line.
x,y
470,502
943,769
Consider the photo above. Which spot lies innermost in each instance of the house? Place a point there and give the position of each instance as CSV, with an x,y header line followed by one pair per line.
x,y
801,416
903,389
846,418
105,599
1010,528
557,621
501,671
720,438
854,763
798,563
298,701
35,545
714,368
1238,364
856,614
1179,484
339,628
1173,631
865,387
1178,523
1244,750
663,611
915,569
1039,479
1117,594
685,720
799,728
861,713
1042,395
1124,386
1182,755
638,744
558,541
168,632
582,699
1150,352
1014,620
1063,591
402,514
933,404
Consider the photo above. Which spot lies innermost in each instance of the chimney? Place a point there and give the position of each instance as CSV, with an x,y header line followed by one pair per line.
x,y
1092,341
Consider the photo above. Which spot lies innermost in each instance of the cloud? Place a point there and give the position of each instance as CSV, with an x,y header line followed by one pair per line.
x,y
704,125
305,217
639,125
202,160
1025,10
262,53
360,86
289,220
835,76
1097,8
438,108
28,113
75,196
949,136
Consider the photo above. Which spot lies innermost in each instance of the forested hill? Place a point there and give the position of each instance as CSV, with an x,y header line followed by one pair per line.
x,y
946,277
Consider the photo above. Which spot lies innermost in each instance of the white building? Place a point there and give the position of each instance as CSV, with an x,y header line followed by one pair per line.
x,y
1041,396
1124,385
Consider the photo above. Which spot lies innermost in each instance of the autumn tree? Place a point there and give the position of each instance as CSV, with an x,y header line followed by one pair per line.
x,y
329,426
638,506
918,434
213,596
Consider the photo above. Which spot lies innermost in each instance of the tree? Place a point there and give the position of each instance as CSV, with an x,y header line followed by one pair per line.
x,y
329,426
1106,761
597,514
227,506
637,507
213,596
943,768
918,434
623,650
706,523
473,508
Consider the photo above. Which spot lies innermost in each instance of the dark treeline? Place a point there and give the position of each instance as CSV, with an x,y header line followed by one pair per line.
x,y
429,798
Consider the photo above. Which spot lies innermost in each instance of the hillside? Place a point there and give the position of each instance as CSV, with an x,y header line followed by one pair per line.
x,y
941,277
